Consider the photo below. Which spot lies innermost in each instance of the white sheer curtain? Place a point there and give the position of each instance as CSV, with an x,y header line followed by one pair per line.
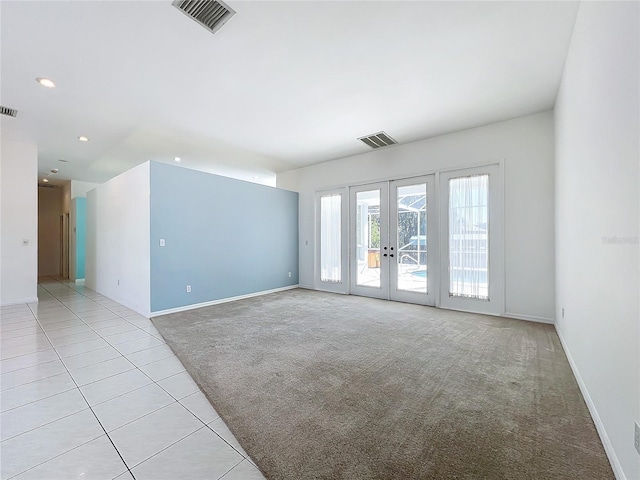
x,y
469,237
331,238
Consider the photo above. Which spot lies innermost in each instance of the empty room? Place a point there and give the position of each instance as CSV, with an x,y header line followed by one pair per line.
x,y
299,240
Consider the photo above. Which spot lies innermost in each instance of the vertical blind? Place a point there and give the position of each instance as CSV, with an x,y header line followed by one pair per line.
x,y
331,238
469,237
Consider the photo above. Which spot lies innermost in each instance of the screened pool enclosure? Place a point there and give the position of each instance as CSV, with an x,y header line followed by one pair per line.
x,y
411,241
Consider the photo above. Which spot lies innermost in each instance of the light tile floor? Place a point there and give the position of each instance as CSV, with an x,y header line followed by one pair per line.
x,y
88,389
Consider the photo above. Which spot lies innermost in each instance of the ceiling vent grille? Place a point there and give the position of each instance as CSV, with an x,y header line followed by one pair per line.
x,y
378,140
211,14
12,112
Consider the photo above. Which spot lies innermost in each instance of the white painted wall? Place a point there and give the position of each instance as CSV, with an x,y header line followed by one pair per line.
x,y
118,248
80,189
597,199
526,148
18,222
66,197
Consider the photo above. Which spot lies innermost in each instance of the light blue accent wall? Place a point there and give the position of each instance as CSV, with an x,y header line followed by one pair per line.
x,y
81,235
224,237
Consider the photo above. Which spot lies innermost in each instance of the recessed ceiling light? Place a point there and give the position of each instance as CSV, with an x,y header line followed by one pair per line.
x,y
45,180
54,170
45,82
63,161
82,138
177,159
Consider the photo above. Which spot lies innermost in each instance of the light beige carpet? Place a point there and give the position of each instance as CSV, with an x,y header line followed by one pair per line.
x,y
322,386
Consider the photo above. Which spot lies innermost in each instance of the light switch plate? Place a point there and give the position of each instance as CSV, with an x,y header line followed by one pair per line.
x,y
162,242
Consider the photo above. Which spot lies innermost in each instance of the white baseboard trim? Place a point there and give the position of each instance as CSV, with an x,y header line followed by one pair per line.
x,y
328,291
222,300
19,302
608,447
530,318
79,281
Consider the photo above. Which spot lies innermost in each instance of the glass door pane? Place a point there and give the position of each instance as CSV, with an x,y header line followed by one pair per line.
x,y
331,238
367,235
412,238
469,237
369,240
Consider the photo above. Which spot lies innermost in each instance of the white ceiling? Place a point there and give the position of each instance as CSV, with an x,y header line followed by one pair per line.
x,y
280,86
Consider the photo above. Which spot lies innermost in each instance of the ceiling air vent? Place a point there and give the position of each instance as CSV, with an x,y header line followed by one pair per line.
x,y
211,14
378,140
12,112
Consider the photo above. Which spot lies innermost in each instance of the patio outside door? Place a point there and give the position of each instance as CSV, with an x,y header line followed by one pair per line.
x,y
393,240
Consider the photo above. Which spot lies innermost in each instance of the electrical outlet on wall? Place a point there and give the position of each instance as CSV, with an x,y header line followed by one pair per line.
x,y
289,274
188,288
637,437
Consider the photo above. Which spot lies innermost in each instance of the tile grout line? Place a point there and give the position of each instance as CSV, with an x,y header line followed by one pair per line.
x,y
188,435
221,438
204,425
24,335
48,423
105,338
43,398
230,470
168,446
89,406
30,366
176,400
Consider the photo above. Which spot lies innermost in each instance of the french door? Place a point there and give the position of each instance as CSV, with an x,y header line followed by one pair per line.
x,y
393,240
434,240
